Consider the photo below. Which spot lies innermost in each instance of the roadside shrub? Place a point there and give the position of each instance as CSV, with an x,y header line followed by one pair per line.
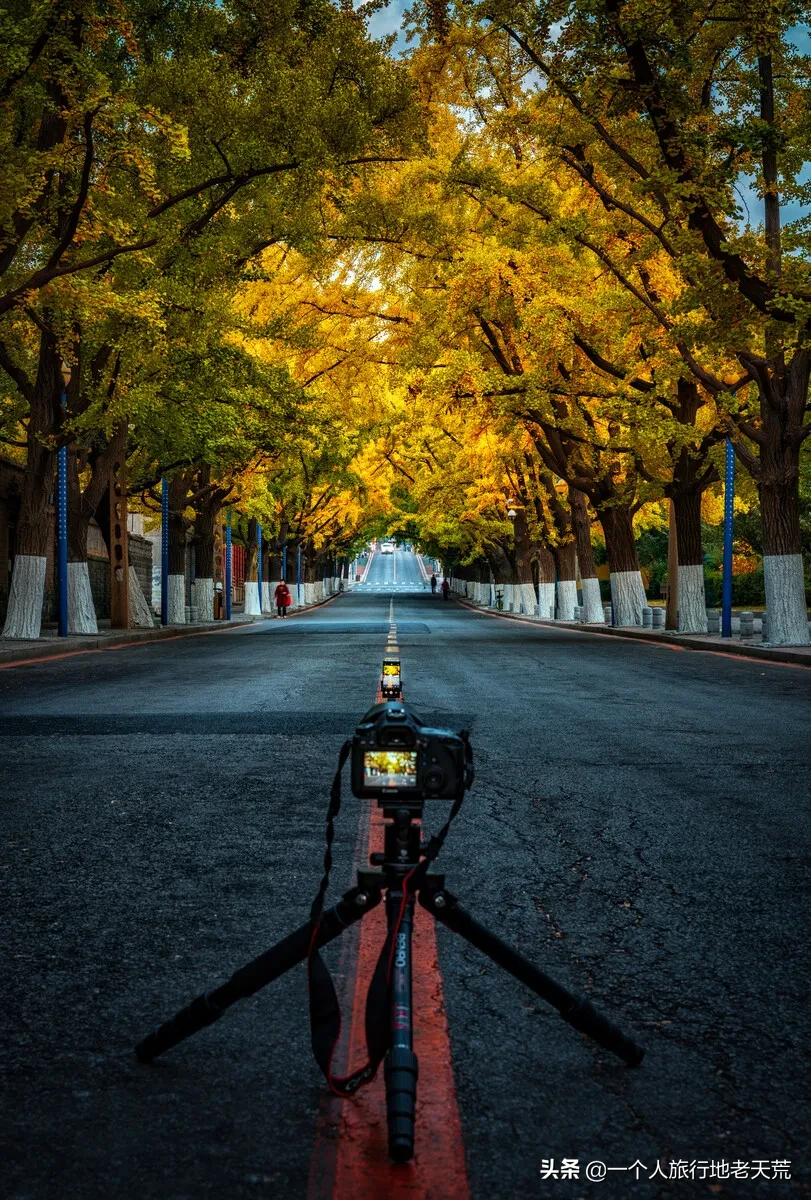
x,y
713,584
747,590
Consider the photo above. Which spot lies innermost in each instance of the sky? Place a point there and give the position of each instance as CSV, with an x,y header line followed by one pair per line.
x,y
389,20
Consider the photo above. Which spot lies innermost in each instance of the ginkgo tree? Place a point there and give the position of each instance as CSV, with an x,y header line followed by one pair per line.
x,y
152,151
661,115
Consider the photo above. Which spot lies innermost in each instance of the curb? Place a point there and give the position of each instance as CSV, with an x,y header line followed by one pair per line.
x,y
686,642
54,648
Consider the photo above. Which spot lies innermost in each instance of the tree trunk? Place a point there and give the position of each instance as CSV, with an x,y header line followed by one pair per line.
x,y
253,606
692,475
178,500
778,483
83,505
140,608
590,584
308,577
523,597
27,592
265,597
692,607
207,502
566,563
481,581
81,609
546,583
503,575
783,393
627,593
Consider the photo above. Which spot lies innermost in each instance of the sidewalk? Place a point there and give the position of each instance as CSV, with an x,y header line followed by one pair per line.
x,y
746,648
49,645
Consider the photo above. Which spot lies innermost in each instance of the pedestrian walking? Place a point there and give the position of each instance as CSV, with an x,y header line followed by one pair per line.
x,y
446,589
433,583
283,599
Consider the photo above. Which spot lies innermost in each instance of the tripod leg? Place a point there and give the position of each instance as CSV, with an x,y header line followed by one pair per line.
x,y
210,1006
401,1066
574,1009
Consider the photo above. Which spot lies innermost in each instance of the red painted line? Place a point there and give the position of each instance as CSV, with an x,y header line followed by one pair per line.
x,y
728,655
31,662
363,1170
152,641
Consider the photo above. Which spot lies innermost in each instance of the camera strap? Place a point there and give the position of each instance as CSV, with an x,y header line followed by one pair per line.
x,y
325,1011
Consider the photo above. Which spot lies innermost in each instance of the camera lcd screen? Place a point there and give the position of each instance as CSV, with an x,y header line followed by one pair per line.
x,y
390,768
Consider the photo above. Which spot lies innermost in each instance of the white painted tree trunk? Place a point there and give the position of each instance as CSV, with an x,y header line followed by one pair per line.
x,y
202,597
528,598
176,614
267,597
567,599
627,597
140,612
546,600
307,593
27,592
692,608
252,608
81,611
785,599
592,601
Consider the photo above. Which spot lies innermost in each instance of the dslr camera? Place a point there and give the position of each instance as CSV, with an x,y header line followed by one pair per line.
x,y
400,762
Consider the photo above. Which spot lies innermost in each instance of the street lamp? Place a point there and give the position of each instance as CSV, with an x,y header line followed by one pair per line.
x,y
62,516
228,565
511,513
164,550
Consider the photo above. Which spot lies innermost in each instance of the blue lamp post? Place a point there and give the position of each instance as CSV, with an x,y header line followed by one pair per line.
x,y
298,575
729,509
284,563
228,565
164,551
62,518
259,564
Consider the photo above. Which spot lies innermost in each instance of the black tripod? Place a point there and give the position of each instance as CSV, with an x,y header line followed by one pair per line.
x,y
399,858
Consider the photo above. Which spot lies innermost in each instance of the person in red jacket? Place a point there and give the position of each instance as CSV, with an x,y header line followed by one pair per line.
x,y
446,589
283,599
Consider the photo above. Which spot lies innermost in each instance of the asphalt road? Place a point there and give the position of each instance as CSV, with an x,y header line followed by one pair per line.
x,y
395,574
638,827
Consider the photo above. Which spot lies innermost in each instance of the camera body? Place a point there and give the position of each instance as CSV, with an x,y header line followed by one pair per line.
x,y
400,762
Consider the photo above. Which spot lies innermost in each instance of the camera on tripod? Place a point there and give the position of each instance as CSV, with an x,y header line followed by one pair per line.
x,y
401,762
